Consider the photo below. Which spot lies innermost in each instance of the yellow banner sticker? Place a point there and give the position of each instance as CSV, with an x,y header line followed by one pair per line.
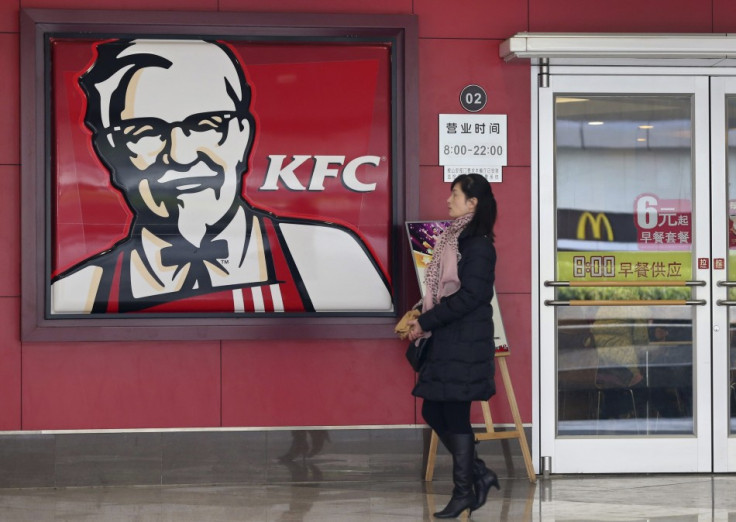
x,y
731,265
624,266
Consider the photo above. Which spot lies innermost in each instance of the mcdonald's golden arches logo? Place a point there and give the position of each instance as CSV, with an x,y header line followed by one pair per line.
x,y
595,225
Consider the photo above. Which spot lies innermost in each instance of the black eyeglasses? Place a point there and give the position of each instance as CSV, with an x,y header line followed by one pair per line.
x,y
151,133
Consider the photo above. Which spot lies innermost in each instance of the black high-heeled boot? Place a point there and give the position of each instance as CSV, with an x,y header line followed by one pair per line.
x,y
462,448
484,479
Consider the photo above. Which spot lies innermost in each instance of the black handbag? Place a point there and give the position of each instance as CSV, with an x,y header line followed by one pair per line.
x,y
416,352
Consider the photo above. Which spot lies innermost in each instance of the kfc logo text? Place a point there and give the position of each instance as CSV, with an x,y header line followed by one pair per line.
x,y
323,167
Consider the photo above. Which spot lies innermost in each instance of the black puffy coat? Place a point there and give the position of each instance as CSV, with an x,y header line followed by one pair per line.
x,y
459,366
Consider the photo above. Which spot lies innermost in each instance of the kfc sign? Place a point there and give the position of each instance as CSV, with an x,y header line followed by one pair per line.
x,y
172,194
322,167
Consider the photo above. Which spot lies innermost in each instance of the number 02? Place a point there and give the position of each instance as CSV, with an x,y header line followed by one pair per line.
x,y
472,98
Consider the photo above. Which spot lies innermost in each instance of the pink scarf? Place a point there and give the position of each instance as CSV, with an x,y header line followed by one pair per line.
x,y
441,277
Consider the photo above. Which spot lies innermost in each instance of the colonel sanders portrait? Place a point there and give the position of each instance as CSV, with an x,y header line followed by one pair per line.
x,y
171,121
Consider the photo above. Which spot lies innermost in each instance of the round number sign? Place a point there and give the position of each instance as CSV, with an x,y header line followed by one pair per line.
x,y
473,98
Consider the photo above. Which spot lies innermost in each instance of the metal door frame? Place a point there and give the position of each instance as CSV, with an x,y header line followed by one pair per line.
x,y
723,449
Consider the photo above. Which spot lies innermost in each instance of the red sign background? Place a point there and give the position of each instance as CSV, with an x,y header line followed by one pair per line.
x,y
308,99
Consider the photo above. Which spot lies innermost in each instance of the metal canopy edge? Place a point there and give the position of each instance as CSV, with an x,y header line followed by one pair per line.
x,y
712,46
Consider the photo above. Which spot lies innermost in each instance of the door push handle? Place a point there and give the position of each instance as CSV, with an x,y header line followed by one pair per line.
x,y
622,284
629,302
726,302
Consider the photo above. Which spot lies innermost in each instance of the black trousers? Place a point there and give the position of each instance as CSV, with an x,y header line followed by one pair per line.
x,y
447,417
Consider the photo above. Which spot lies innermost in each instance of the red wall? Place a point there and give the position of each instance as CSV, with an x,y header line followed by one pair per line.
x,y
271,383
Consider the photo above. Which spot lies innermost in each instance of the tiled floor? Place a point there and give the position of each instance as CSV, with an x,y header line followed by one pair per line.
x,y
344,475
680,498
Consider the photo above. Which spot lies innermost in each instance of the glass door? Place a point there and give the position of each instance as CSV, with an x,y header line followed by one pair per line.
x,y
723,138
625,262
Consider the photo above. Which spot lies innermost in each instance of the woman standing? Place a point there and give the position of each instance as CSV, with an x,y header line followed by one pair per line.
x,y
457,314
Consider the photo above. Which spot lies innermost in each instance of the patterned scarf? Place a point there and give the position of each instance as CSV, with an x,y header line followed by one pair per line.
x,y
440,278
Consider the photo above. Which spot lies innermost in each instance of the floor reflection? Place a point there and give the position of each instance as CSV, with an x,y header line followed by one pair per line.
x,y
305,444
357,476
684,498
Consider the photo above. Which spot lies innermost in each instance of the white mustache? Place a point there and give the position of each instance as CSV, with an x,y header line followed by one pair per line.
x,y
198,171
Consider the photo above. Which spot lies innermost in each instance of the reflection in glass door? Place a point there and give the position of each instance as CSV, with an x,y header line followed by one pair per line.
x,y
624,329
623,187
723,132
731,260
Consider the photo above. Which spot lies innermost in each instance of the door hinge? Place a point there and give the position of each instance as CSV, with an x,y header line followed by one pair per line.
x,y
544,72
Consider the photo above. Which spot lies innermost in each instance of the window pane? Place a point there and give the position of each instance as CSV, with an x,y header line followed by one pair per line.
x,y
623,194
731,170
